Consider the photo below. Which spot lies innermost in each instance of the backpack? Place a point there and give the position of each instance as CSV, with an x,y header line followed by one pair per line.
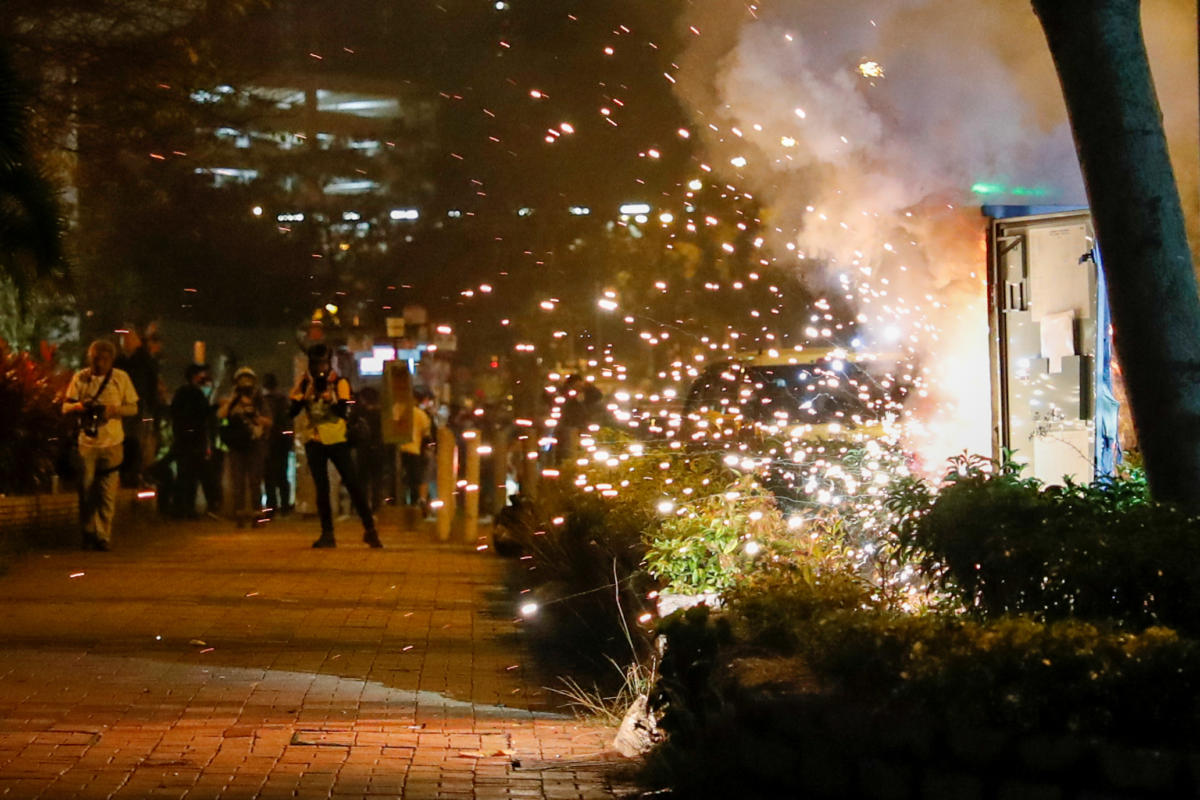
x,y
237,433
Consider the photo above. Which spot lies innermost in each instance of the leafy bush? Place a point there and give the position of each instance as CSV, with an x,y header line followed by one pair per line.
x,y
707,545
686,692
1009,545
1062,594
1013,673
34,433
580,562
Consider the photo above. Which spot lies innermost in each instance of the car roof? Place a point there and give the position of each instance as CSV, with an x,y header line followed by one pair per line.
x,y
799,355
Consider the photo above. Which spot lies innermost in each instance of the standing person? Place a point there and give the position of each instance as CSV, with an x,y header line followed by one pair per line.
x,y
279,447
103,396
190,416
245,425
320,400
413,459
139,360
367,425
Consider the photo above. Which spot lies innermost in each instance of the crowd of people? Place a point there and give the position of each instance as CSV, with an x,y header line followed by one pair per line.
x,y
234,449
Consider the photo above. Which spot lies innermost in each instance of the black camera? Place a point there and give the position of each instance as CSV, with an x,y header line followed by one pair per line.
x,y
91,418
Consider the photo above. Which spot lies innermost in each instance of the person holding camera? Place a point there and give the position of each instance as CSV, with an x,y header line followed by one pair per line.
x,y
101,395
245,423
321,400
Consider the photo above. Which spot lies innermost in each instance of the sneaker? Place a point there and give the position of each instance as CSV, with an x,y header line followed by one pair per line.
x,y
326,540
371,537
100,546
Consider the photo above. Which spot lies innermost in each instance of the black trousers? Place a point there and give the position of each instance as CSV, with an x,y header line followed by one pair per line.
x,y
189,465
342,457
414,476
279,491
369,459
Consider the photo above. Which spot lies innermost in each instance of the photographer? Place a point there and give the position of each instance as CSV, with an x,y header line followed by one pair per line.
x,y
101,396
245,425
321,398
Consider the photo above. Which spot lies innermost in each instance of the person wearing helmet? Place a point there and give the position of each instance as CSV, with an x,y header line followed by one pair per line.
x,y
245,423
320,400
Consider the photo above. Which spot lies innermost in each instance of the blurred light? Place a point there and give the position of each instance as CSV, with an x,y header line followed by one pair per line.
x,y
529,609
404,213
635,208
257,211
871,69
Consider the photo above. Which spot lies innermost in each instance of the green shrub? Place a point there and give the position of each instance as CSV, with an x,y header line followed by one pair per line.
x,y
713,541
1015,673
1008,545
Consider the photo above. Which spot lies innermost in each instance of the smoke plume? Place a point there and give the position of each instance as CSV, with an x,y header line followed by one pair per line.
x,y
873,131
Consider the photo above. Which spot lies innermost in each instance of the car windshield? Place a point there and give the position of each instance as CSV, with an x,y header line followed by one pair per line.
x,y
826,392
807,393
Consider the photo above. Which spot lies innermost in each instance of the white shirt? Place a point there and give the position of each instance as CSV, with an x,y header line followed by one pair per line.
x,y
118,392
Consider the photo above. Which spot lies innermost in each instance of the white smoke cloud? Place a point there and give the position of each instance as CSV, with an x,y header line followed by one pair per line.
x,y
875,181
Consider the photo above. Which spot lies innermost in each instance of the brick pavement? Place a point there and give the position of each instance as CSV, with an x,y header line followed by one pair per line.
x,y
199,661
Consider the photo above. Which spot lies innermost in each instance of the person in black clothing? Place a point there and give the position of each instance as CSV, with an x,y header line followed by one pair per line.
x,y
369,450
139,359
321,401
279,447
190,417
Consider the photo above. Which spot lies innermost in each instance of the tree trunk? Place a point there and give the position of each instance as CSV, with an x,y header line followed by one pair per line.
x,y
1100,56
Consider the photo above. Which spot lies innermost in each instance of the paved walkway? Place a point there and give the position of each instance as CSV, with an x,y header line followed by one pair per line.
x,y
199,661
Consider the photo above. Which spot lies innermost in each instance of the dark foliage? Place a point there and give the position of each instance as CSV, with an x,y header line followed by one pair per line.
x,y
34,433
1008,545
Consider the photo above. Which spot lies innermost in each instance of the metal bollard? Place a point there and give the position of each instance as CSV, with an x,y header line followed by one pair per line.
x,y
531,469
471,490
447,472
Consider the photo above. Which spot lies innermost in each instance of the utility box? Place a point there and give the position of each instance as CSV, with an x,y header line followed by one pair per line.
x,y
1053,405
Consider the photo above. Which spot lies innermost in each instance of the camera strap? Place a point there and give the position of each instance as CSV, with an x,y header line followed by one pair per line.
x,y
103,386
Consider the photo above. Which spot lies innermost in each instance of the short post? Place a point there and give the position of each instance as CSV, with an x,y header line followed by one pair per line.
x,y
499,478
447,472
471,490
530,468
